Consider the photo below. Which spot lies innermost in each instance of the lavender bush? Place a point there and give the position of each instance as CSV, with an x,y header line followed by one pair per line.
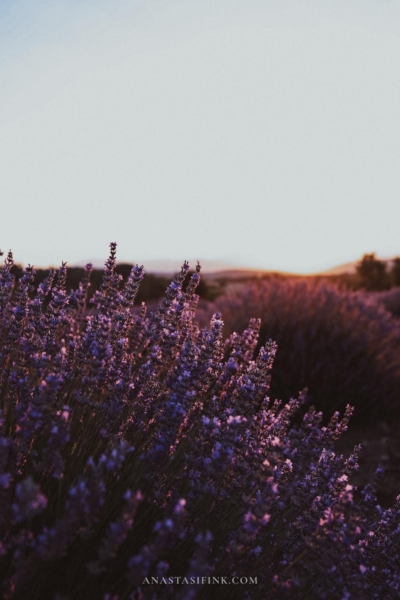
x,y
389,299
137,446
341,345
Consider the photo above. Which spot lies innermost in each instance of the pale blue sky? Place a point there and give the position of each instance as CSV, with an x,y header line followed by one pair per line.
x,y
264,133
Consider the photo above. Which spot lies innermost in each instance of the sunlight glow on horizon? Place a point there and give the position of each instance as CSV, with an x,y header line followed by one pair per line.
x,y
257,134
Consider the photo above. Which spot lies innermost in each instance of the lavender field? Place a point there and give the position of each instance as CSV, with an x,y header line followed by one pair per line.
x,y
141,447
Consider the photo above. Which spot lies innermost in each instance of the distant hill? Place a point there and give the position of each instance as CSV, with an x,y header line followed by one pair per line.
x,y
247,274
351,267
170,267
215,269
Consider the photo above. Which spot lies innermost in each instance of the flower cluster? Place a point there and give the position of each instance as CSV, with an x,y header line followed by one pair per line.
x,y
135,446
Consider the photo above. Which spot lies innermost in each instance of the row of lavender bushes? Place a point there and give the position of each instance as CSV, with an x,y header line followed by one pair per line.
x,y
137,445
343,345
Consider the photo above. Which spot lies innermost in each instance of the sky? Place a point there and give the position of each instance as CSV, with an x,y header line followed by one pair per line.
x,y
258,133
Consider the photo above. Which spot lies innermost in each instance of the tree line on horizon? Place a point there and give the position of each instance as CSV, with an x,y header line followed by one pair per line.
x,y
375,275
371,275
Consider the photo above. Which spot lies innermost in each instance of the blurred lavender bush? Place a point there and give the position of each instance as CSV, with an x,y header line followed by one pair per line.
x,y
135,446
344,347
389,299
